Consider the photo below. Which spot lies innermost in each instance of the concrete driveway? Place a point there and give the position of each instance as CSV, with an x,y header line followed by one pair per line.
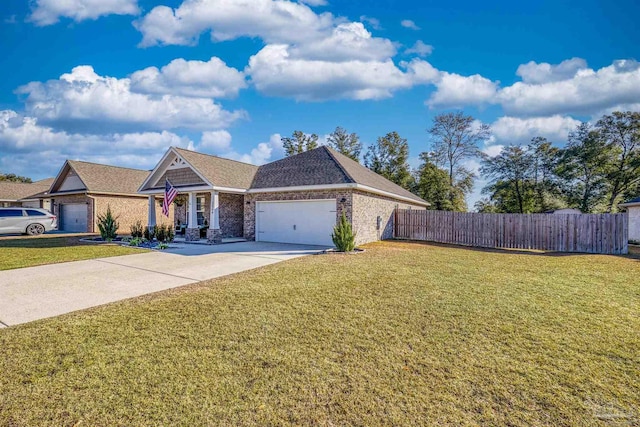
x,y
33,293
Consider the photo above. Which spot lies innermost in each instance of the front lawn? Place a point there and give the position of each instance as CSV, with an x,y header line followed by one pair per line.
x,y
403,334
27,252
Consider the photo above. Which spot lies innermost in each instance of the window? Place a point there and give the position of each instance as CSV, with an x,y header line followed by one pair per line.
x,y
199,210
11,212
33,212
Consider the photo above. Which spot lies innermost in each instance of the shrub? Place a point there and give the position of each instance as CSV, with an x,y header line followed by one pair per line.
x,y
108,225
136,230
170,233
136,241
343,236
149,233
161,232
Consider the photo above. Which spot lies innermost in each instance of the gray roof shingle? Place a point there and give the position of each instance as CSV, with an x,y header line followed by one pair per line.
x,y
219,171
17,190
108,179
323,166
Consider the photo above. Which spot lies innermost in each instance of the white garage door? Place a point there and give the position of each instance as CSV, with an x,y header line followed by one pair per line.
x,y
308,222
74,218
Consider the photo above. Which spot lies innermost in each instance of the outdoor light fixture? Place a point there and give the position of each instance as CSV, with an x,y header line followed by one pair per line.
x,y
344,199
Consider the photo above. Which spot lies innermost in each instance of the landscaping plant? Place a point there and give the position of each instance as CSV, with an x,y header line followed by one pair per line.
x,y
136,230
108,225
149,233
343,236
161,232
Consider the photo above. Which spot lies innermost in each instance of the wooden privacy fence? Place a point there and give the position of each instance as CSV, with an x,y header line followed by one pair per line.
x,y
591,233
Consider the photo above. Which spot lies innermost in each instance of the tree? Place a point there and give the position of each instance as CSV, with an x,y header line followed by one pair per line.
x,y
510,185
583,168
621,132
299,143
12,177
432,184
345,143
389,157
544,161
454,139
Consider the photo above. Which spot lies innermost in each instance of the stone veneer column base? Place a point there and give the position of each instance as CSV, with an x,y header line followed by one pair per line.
x,y
214,236
192,234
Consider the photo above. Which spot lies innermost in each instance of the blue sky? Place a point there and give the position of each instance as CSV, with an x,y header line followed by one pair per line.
x,y
118,81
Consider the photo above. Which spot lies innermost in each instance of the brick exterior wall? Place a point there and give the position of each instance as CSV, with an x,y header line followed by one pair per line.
x,y
72,199
129,210
366,209
231,214
250,209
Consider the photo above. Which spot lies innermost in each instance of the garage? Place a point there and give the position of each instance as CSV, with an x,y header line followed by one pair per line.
x,y
74,218
308,222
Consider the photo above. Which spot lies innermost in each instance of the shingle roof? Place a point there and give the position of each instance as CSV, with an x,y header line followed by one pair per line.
x,y
219,171
323,166
108,179
18,190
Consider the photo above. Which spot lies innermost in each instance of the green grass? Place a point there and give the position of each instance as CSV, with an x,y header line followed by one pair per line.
x,y
403,334
27,252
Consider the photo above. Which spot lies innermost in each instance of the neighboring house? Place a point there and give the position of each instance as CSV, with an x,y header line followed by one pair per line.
x,y
81,191
633,210
294,200
23,194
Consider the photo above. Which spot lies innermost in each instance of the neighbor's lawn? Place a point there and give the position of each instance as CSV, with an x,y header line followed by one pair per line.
x,y
27,252
404,334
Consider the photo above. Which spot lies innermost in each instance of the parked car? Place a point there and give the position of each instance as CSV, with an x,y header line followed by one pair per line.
x,y
30,221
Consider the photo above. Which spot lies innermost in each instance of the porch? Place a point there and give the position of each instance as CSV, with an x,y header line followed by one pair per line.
x,y
210,217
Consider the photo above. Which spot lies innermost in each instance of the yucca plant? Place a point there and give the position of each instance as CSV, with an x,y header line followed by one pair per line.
x,y
108,225
343,236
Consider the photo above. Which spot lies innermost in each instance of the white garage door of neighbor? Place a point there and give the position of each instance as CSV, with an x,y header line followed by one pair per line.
x,y
308,222
74,218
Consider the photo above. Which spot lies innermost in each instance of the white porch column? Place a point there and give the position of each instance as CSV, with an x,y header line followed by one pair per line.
x,y
215,211
151,218
192,221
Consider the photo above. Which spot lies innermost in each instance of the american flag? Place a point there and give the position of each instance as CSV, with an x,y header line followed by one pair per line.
x,y
170,193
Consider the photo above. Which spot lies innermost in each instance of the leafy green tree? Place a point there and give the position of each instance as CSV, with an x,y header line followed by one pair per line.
x,y
621,132
12,177
454,139
389,157
544,158
346,143
299,142
432,184
583,168
510,182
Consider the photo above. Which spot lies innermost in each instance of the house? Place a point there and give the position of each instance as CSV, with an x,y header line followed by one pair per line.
x,y
24,194
81,191
294,200
633,210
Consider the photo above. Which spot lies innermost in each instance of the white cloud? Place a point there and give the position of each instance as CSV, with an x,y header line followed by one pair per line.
x,y
408,23
96,103
535,73
348,41
373,22
274,72
26,147
454,90
211,79
314,2
47,12
514,130
263,153
217,141
420,48
587,92
272,20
